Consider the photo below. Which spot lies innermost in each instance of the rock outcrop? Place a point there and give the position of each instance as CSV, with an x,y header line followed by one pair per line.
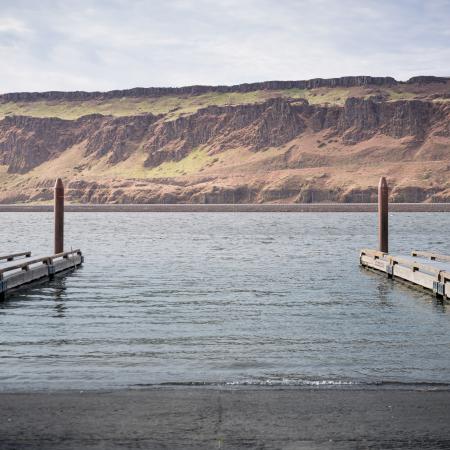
x,y
255,126
362,119
118,137
26,142
276,122
344,82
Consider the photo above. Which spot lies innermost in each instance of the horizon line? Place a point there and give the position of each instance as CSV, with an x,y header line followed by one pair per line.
x,y
417,78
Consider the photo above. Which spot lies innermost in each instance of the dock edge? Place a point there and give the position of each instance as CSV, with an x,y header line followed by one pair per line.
x,y
418,274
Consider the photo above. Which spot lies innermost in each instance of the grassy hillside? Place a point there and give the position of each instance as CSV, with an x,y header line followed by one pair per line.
x,y
174,106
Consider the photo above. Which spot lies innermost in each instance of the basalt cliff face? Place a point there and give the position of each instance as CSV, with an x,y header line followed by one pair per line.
x,y
343,82
275,149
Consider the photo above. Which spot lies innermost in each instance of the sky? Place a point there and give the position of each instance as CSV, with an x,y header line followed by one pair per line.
x,y
118,44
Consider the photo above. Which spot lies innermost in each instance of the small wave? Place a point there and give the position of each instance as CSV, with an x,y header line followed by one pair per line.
x,y
303,382
342,383
294,380
283,382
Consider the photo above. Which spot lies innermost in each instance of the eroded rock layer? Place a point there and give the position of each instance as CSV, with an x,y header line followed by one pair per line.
x,y
278,150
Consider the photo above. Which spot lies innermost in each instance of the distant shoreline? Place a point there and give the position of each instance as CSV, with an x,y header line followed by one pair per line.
x,y
292,207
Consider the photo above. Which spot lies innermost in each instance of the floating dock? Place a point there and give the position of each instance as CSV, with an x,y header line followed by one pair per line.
x,y
428,270
425,269
20,269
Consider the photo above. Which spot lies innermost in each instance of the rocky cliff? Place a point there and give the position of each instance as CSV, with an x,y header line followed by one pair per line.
x,y
280,149
344,82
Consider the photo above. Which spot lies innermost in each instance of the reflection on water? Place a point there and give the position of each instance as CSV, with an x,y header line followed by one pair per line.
x,y
383,289
58,293
227,297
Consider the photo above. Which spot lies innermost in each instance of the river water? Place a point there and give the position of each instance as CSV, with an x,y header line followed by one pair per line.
x,y
227,298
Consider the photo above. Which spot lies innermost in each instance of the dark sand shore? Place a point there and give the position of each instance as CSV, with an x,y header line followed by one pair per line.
x,y
297,207
227,418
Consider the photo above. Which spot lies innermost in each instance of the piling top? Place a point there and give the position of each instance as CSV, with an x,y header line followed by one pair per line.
x,y
59,184
383,183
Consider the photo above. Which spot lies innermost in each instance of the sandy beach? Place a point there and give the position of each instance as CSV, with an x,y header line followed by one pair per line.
x,y
228,418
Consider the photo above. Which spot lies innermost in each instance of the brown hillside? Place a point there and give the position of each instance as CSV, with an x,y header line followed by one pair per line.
x,y
305,141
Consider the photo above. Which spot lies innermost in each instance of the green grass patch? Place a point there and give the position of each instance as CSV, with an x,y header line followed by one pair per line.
x,y
319,96
335,96
400,95
196,160
171,106
175,106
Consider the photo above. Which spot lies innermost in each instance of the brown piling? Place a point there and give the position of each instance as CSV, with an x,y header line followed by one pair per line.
x,y
383,211
59,216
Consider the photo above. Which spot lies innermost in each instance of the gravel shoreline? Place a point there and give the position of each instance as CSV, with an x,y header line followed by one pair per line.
x,y
297,207
226,418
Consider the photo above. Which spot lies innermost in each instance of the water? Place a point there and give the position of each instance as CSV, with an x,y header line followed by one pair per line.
x,y
264,298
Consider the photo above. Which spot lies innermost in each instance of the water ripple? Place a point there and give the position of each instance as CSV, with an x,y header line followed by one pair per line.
x,y
239,299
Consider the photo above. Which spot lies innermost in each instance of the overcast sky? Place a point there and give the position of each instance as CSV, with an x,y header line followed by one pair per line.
x,y
117,44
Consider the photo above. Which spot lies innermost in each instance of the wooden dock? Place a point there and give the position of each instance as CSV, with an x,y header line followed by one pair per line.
x,y
428,270
19,269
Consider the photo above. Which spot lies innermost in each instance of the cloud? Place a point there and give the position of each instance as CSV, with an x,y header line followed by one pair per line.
x,y
12,25
100,45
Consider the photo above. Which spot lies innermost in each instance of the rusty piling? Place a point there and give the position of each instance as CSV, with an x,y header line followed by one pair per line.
x,y
59,216
383,212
